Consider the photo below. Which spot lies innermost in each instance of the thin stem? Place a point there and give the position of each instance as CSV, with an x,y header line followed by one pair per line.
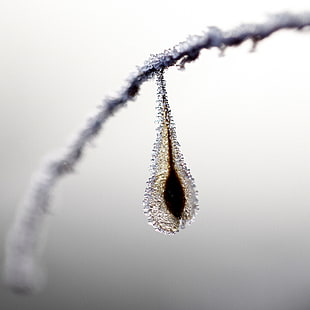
x,y
20,269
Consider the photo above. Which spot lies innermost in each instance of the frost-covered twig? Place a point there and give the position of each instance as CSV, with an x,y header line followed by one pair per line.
x,y
26,230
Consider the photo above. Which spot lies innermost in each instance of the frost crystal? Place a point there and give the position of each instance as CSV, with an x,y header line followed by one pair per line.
x,y
170,199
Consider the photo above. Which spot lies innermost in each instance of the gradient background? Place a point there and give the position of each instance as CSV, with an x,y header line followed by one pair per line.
x,y
243,124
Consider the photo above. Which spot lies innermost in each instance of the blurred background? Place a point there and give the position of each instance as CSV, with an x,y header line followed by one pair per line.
x,y
243,124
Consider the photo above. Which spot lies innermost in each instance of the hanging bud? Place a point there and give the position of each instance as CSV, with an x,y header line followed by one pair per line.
x,y
170,199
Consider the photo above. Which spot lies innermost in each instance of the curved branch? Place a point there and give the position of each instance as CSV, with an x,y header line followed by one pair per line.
x,y
22,244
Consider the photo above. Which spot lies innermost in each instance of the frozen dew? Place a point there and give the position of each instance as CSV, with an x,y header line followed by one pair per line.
x,y
170,200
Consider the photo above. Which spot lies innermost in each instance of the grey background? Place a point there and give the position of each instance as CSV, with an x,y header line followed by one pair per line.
x,y
243,125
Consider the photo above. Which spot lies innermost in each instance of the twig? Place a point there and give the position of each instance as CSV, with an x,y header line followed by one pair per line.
x,y
22,244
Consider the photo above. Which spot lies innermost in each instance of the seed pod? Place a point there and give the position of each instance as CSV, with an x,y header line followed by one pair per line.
x,y
170,199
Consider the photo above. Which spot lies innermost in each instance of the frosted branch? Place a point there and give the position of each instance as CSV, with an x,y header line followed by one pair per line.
x,y
24,237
